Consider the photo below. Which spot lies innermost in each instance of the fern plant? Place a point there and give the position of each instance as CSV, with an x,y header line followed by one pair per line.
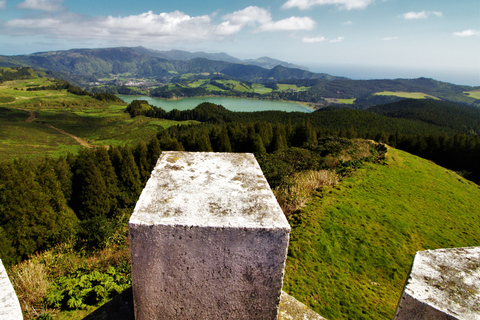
x,y
79,290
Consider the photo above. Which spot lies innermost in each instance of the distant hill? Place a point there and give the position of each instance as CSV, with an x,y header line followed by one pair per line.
x,y
269,63
460,117
141,62
85,66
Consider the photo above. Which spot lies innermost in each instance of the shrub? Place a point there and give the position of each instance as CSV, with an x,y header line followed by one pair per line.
x,y
299,187
30,281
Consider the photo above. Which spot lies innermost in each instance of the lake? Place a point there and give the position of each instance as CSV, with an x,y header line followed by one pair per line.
x,y
232,104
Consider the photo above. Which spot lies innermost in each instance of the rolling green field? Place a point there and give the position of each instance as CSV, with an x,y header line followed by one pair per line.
x,y
474,94
52,122
411,95
351,252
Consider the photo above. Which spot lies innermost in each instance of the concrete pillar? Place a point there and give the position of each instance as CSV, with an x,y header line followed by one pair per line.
x,y
9,305
208,240
443,284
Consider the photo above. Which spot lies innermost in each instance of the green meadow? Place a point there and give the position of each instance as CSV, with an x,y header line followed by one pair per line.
x,y
411,95
474,94
351,247
27,118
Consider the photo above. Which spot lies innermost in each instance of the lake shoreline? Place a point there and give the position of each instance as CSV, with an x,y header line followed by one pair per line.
x,y
261,104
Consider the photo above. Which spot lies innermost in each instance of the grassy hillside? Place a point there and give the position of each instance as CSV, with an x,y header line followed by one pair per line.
x,y
352,247
54,122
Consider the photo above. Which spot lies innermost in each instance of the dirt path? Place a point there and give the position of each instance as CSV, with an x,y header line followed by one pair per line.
x,y
32,116
79,140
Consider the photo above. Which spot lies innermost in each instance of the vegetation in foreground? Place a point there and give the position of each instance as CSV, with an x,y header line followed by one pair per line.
x,y
352,245
302,158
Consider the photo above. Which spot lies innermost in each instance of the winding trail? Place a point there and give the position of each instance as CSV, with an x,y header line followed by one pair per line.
x,y
32,116
79,140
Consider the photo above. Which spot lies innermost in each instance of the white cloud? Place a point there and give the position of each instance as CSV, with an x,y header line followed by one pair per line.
x,y
289,24
343,4
3,4
249,16
389,38
166,27
467,33
339,39
421,15
163,27
43,5
314,39
347,23
262,20
321,39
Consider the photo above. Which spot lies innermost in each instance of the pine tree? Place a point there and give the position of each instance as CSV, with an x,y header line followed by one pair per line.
x,y
64,176
105,166
140,154
153,152
65,219
129,179
90,197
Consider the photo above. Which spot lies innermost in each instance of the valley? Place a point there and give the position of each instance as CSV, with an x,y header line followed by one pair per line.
x,y
81,157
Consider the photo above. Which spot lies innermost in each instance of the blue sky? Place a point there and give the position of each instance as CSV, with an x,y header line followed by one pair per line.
x,y
361,39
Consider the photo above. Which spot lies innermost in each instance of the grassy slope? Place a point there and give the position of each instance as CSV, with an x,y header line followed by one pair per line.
x,y
411,95
89,119
351,253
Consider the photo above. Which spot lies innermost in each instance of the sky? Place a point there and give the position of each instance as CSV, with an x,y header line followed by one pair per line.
x,y
360,39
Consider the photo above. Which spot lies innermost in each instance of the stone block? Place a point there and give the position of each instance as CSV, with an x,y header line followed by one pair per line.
x,y
208,240
9,305
443,284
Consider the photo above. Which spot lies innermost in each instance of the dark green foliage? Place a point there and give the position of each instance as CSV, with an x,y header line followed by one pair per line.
x,y
78,290
104,165
462,118
17,74
139,107
64,177
7,251
90,197
33,212
128,179
94,232
153,152
140,153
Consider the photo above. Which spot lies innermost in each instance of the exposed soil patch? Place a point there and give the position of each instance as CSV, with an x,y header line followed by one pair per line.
x,y
79,140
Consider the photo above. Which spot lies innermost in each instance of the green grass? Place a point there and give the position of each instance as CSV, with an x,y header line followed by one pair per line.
x,y
474,94
291,87
350,255
411,95
260,88
96,122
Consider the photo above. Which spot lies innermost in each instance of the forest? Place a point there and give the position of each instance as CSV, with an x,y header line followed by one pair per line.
x,y
77,193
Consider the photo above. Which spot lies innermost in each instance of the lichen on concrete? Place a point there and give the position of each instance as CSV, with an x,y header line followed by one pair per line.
x,y
197,188
9,305
208,240
446,281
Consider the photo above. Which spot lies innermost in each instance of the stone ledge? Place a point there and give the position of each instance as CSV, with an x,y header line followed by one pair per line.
x,y
443,284
9,305
208,240
121,308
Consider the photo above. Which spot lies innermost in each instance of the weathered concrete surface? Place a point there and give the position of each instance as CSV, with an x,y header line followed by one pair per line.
x,y
208,240
121,308
9,305
292,309
443,284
